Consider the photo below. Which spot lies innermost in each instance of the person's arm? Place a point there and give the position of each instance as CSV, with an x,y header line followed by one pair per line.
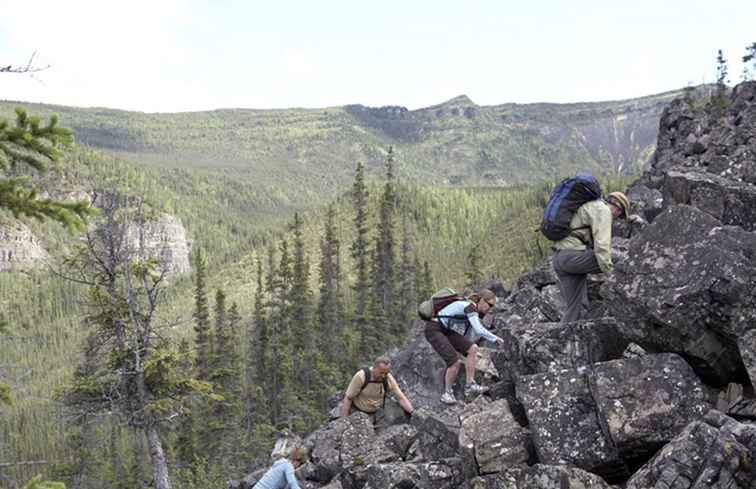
x,y
346,404
355,386
403,401
601,229
479,329
291,481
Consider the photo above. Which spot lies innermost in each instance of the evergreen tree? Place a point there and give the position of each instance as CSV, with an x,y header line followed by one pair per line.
x,y
750,56
384,321
408,295
426,285
300,295
474,272
225,375
186,433
330,312
201,316
34,145
360,254
280,353
385,277
137,378
257,350
722,79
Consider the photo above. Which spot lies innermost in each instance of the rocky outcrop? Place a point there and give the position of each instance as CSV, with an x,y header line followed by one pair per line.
x,y
716,452
605,417
688,282
165,239
19,248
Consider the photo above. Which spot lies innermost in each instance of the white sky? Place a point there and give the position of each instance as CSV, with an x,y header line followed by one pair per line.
x,y
179,55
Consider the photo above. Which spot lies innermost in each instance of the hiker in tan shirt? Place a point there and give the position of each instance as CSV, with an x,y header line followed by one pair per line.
x,y
368,393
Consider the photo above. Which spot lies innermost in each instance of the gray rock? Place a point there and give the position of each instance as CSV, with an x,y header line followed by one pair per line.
x,y
439,474
541,347
338,445
438,432
490,439
646,401
716,452
19,248
165,239
633,350
728,201
606,418
540,476
687,283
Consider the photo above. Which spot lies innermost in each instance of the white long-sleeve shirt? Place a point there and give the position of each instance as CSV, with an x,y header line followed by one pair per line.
x,y
457,309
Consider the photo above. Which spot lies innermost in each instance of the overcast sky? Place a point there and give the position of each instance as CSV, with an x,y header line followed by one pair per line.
x,y
179,55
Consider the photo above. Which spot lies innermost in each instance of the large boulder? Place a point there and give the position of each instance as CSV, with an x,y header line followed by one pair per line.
x,y
438,431
613,415
490,439
714,453
338,445
438,474
532,348
540,476
688,283
391,445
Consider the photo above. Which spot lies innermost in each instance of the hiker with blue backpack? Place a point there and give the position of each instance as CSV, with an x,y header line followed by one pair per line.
x,y
579,221
453,327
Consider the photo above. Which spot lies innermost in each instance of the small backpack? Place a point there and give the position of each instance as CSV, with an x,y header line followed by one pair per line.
x,y
564,201
428,310
369,380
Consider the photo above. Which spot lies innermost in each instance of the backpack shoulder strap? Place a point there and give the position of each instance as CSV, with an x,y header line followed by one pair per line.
x,y
366,372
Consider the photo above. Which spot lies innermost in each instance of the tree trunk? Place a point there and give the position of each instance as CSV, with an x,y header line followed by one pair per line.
x,y
159,464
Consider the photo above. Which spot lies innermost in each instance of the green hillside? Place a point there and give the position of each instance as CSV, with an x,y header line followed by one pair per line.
x,y
295,158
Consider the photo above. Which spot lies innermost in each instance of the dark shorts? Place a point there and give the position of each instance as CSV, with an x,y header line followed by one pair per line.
x,y
446,343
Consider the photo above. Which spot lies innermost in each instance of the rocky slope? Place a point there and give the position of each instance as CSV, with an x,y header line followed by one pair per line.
x,y
653,391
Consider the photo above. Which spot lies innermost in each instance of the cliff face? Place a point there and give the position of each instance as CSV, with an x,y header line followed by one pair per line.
x,y
655,389
165,239
19,248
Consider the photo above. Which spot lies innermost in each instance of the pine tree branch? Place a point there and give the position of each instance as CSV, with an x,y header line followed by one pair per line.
x,y
28,68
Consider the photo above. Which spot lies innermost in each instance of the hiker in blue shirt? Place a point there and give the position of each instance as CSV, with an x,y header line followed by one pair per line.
x,y
281,474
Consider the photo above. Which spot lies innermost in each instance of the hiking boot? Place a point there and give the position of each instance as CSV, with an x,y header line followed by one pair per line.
x,y
474,389
448,398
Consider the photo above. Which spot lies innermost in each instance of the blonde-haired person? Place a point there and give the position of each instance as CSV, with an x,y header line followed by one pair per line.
x,y
456,331
588,249
281,473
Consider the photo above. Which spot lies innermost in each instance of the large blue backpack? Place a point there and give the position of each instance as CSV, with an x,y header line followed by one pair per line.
x,y
566,198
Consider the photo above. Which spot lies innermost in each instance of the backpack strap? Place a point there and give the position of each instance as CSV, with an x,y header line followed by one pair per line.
x,y
579,236
459,317
368,380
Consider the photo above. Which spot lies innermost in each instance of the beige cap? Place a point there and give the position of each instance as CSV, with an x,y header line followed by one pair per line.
x,y
620,200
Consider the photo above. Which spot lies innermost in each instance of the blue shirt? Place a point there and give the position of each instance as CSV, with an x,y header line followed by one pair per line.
x,y
457,308
279,476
